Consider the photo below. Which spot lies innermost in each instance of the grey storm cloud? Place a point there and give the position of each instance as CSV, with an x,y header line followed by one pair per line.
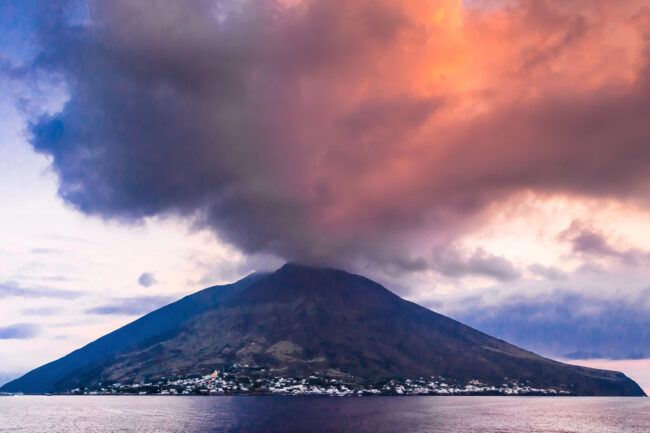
x,y
21,331
133,306
566,324
288,130
147,279
11,288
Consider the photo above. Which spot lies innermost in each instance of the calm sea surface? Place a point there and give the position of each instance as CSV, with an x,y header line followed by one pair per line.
x,y
323,414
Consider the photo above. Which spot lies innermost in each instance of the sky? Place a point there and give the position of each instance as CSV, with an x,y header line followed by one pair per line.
x,y
489,160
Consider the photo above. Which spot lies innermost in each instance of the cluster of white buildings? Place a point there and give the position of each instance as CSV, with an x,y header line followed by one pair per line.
x,y
240,380
438,386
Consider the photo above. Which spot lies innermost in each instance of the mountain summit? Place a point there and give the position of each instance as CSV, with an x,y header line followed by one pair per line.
x,y
300,321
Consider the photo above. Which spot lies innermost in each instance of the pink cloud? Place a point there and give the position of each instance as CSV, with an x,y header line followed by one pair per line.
x,y
334,131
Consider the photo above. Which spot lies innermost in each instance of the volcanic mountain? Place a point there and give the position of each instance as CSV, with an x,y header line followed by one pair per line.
x,y
300,320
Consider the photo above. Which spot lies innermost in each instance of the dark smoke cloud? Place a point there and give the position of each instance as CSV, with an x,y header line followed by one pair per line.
x,y
313,132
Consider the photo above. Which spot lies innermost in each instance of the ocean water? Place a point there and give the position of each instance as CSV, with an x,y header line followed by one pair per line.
x,y
323,414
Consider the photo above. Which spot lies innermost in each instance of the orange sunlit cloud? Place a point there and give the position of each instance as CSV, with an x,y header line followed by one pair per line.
x,y
322,126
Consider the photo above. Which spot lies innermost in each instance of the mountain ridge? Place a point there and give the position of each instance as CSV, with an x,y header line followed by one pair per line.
x,y
299,320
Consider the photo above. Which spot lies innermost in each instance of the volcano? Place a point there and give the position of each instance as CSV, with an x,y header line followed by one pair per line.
x,y
299,321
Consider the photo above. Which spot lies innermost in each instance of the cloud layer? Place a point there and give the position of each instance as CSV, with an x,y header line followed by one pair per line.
x,y
568,325
134,306
451,263
11,288
329,132
19,331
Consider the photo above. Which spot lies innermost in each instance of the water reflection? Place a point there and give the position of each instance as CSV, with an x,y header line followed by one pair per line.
x,y
324,414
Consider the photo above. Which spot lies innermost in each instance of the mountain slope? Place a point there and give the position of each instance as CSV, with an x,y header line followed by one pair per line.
x,y
148,330
300,320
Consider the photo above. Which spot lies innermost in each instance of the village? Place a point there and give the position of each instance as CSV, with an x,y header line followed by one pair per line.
x,y
238,380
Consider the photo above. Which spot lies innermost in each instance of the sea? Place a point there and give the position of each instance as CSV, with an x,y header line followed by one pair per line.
x,y
323,414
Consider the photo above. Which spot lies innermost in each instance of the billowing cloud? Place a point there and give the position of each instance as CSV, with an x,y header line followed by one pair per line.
x,y
329,132
132,306
19,331
147,279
